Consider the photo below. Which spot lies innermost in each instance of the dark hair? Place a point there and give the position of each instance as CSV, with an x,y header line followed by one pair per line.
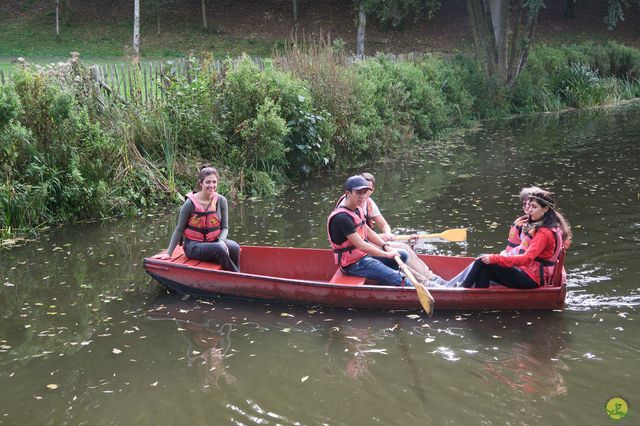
x,y
206,171
526,192
552,218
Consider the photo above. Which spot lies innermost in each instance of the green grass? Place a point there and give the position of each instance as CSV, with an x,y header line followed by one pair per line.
x,y
35,38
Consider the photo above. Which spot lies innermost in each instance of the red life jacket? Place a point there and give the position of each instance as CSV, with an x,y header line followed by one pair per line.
x,y
346,254
204,224
513,242
541,270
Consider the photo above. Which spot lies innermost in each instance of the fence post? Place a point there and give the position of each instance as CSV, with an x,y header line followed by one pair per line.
x,y
95,74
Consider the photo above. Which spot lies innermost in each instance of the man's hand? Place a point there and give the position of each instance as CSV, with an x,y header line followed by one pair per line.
x,y
391,253
387,236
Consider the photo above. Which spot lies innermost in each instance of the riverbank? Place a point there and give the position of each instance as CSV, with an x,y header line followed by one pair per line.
x,y
307,109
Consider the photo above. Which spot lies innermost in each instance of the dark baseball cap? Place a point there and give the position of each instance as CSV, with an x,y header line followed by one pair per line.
x,y
355,183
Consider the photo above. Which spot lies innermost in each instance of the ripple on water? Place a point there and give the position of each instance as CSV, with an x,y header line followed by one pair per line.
x,y
586,290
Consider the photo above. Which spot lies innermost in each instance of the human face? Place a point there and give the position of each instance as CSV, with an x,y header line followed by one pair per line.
x,y
535,210
357,197
209,184
525,205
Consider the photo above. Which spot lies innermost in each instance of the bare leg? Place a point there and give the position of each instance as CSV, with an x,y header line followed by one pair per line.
x,y
418,268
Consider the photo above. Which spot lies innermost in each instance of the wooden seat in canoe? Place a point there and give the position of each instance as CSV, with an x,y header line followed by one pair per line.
x,y
341,278
179,257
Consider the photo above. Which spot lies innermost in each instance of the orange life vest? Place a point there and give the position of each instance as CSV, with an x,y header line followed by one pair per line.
x,y
541,270
368,207
513,242
346,254
204,224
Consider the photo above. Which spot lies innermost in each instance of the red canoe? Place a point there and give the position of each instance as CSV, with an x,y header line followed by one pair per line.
x,y
309,276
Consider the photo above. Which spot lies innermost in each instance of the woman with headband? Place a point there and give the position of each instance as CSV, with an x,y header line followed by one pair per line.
x,y
542,238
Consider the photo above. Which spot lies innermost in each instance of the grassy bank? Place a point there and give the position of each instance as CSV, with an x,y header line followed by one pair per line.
x,y
69,154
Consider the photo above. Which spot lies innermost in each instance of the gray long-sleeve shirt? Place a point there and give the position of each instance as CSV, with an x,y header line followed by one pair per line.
x,y
185,213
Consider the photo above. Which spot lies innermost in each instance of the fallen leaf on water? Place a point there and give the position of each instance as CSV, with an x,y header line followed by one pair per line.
x,y
304,379
154,384
116,351
429,339
52,386
284,314
413,316
286,330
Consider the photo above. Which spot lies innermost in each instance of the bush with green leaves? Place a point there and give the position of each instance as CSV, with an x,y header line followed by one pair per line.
x,y
416,101
580,76
270,121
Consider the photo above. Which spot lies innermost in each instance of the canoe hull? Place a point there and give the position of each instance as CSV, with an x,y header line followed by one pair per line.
x,y
199,278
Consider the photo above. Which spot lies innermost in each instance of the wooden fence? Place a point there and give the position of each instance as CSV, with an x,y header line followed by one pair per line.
x,y
145,82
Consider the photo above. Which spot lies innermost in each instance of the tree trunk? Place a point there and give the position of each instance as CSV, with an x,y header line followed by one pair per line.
x,y
204,15
295,10
484,36
57,19
136,28
362,22
158,15
503,31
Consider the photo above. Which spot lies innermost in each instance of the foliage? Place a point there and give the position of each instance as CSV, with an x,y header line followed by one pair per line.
x,y
615,11
67,155
394,13
416,101
577,76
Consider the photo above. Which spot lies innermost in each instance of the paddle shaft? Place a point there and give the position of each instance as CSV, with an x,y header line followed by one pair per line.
x,y
454,235
426,299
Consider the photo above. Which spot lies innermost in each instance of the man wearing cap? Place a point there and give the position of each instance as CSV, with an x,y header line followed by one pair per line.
x,y
358,250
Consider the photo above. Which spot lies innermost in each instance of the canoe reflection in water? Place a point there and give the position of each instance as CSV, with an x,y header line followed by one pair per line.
x,y
208,341
349,342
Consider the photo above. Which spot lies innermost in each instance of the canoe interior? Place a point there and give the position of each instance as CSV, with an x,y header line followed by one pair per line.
x,y
306,263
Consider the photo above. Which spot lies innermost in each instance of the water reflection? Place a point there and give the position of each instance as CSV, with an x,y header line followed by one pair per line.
x,y
528,356
75,303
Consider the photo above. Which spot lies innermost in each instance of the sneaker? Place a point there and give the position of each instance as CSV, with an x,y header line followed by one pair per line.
x,y
436,281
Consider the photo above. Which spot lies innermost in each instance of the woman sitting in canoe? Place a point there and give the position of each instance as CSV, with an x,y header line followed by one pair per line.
x,y
542,238
204,224
513,241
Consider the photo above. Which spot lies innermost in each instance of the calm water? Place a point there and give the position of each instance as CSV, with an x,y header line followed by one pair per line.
x,y
87,338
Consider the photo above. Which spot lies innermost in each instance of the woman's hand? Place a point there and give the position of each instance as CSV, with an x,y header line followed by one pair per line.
x,y
486,259
161,256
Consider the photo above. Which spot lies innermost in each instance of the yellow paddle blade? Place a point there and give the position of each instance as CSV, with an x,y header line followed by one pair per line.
x,y
426,299
453,235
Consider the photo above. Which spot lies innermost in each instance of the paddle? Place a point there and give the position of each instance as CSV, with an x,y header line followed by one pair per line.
x,y
426,299
454,235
